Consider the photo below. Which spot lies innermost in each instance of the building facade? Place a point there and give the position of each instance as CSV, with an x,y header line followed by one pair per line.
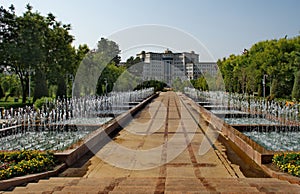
x,y
168,66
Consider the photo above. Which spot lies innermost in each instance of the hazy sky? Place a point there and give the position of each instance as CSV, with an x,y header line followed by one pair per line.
x,y
224,26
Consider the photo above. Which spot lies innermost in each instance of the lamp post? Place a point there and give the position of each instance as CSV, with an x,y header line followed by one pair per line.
x,y
29,88
264,84
29,82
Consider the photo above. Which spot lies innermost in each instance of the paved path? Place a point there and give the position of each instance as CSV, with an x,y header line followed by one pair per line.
x,y
158,152
165,120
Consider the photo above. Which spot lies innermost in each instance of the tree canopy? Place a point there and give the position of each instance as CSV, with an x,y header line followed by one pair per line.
x,y
268,66
38,47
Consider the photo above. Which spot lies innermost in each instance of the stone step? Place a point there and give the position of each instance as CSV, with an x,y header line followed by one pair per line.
x,y
192,192
75,192
261,180
92,189
256,184
39,187
236,189
132,190
95,181
185,189
142,182
23,192
136,186
66,179
149,185
232,183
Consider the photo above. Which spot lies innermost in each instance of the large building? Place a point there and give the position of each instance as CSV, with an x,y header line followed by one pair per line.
x,y
168,66
194,70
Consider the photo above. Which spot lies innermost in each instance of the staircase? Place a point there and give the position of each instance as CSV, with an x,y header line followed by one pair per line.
x,y
158,185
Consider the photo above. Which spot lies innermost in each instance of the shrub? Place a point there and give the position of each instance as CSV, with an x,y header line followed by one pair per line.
x,y
39,103
19,163
289,163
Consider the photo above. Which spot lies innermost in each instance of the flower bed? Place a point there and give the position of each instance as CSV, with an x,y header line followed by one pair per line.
x,y
19,163
289,163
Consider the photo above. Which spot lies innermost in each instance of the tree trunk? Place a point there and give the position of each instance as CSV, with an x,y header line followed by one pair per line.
x,y
296,86
25,85
61,88
23,92
41,88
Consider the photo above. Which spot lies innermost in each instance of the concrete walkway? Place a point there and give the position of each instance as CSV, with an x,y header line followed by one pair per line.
x,y
158,152
155,125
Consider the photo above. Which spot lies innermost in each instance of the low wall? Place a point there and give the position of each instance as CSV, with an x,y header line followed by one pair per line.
x,y
254,151
246,146
101,136
6,184
269,169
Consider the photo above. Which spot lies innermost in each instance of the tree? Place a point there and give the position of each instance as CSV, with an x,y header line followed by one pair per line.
x,y
200,83
126,81
1,92
296,87
10,84
108,48
61,88
275,88
108,78
62,59
157,85
41,88
23,50
97,68
35,44
278,59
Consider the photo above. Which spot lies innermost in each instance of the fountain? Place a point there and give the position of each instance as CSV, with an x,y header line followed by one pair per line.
x,y
62,123
273,125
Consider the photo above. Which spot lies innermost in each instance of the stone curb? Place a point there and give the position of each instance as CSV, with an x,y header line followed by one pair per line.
x,y
280,175
6,184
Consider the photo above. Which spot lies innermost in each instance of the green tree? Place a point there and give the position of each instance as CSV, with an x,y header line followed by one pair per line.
x,y
41,88
296,87
157,85
98,68
126,81
2,94
10,84
25,50
33,43
277,60
200,83
108,78
108,49
61,88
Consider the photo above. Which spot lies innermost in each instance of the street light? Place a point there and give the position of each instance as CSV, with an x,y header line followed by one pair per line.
x,y
29,81
264,84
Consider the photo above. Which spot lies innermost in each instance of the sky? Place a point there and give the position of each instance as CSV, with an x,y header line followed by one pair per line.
x,y
224,27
